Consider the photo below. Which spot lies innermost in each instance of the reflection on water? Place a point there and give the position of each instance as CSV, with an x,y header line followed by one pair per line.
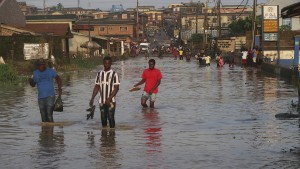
x,y
205,117
153,134
105,151
152,131
50,148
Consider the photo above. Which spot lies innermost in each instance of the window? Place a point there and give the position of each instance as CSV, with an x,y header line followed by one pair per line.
x,y
287,21
102,29
124,16
123,28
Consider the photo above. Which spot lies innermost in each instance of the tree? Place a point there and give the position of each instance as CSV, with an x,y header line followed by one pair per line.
x,y
59,7
239,27
196,37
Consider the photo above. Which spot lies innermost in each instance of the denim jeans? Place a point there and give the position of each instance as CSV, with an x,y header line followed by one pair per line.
x,y
46,108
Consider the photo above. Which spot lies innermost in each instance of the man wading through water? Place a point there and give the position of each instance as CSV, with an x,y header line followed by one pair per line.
x,y
43,78
151,77
107,84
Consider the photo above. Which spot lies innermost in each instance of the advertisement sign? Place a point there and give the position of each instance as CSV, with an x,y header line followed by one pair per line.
x,y
270,12
270,26
270,23
36,51
270,37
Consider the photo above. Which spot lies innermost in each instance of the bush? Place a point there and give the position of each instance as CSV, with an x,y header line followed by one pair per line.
x,y
7,73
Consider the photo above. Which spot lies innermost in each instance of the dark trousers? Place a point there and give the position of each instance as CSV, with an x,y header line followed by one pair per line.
x,y
108,113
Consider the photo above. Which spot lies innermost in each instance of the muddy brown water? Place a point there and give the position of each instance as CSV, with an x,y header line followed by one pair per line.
x,y
204,118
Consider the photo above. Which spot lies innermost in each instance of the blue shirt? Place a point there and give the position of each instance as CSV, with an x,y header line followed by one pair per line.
x,y
44,81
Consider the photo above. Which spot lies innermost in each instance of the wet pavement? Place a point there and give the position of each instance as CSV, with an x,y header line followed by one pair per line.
x,y
205,117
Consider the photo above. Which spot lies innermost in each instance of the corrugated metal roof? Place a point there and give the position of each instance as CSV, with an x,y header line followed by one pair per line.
x,y
62,30
51,17
106,21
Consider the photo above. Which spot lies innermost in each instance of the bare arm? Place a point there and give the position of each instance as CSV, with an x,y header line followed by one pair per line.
x,y
156,85
59,84
95,92
140,82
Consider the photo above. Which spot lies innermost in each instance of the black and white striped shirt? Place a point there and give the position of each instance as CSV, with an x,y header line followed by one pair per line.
x,y
107,81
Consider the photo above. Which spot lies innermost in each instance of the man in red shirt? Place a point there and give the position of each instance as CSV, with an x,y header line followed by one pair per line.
x,y
151,77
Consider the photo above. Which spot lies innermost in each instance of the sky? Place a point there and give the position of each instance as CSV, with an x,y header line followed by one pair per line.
x,y
107,4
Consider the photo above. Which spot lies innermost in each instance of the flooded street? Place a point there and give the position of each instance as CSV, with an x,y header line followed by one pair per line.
x,y
205,117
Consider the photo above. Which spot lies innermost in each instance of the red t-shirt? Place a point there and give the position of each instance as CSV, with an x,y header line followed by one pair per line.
x,y
151,77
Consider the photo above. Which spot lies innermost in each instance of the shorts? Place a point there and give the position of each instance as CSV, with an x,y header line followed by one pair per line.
x,y
146,96
244,61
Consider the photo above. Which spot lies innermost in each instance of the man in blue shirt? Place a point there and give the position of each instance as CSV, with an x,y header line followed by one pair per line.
x,y
43,78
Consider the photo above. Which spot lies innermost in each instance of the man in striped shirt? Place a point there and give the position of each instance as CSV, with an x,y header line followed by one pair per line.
x,y
107,84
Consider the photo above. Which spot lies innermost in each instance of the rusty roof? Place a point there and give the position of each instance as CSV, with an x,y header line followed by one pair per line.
x,y
55,29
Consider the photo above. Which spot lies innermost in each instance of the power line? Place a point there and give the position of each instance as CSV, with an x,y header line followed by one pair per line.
x,y
242,10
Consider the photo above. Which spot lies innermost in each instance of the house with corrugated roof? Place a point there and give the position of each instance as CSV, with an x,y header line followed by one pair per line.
x,y
69,19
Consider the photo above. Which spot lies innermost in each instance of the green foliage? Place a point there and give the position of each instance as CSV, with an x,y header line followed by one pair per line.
x,y
7,73
196,37
239,27
285,28
59,7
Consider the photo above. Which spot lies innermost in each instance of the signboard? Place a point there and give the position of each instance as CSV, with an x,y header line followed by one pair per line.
x,y
270,26
36,51
270,12
270,23
270,37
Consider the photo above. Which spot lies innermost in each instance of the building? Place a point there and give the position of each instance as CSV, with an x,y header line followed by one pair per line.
x,y
11,14
80,12
112,28
28,9
53,19
120,24
101,15
60,30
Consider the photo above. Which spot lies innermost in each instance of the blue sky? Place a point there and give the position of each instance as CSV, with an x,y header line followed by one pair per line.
x,y
106,4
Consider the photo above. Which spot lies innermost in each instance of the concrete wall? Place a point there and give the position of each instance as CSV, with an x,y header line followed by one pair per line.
x,y
75,42
280,71
11,14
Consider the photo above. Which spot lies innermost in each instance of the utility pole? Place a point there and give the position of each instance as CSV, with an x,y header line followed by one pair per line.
x,y
205,26
197,10
219,18
137,19
253,23
78,3
44,6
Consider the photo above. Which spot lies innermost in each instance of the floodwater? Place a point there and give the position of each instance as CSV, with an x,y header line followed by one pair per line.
x,y
205,117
